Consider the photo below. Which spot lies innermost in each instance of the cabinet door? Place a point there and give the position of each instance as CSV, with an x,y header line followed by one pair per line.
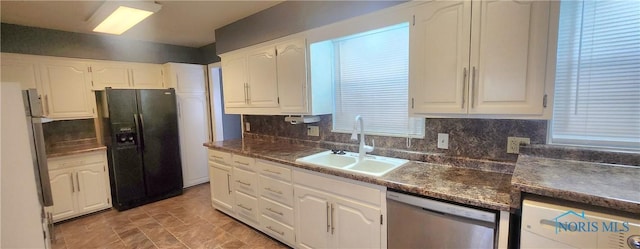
x,y
292,76
193,130
66,88
356,225
508,53
92,187
263,81
190,78
21,71
221,194
439,58
234,81
114,75
313,221
63,190
146,76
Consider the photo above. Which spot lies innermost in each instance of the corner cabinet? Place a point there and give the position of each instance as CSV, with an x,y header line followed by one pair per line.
x,y
482,57
79,184
270,79
66,92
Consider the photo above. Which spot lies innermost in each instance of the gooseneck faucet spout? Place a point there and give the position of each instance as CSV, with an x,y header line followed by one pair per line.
x,y
363,148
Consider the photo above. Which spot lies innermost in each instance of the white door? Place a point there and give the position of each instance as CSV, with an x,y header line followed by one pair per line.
x,y
263,81
146,76
114,75
221,194
234,71
66,88
193,129
508,53
292,76
63,190
20,71
313,221
92,187
357,225
440,57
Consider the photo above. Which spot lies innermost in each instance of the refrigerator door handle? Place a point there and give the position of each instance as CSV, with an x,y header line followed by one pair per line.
x,y
42,166
141,131
138,131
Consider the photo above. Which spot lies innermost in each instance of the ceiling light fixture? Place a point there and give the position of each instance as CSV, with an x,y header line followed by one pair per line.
x,y
118,17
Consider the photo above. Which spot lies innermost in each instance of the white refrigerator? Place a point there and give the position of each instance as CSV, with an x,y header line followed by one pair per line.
x,y
23,221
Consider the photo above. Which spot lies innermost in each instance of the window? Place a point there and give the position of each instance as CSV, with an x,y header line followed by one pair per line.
x,y
597,88
370,73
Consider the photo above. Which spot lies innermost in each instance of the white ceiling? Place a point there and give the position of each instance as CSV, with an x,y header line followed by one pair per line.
x,y
185,23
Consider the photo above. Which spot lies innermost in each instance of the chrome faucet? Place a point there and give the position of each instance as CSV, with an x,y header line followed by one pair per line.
x,y
363,148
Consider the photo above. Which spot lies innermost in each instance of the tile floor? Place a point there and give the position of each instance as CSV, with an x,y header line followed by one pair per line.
x,y
186,221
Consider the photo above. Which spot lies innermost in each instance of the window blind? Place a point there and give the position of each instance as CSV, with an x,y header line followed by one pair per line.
x,y
372,80
597,87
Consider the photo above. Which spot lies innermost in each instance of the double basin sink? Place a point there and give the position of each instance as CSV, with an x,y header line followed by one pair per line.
x,y
370,165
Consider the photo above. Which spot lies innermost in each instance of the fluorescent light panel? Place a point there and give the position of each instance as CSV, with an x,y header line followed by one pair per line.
x,y
121,20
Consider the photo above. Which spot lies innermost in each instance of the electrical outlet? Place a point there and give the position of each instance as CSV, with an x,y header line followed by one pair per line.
x,y
313,130
443,141
513,144
247,126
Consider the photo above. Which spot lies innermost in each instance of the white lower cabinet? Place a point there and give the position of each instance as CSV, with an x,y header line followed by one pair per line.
x,y
79,184
300,208
326,218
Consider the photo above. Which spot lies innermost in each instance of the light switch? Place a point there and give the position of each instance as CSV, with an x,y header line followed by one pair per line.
x,y
313,130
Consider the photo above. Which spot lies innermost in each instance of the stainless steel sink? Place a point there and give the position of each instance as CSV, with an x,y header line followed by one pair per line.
x,y
370,165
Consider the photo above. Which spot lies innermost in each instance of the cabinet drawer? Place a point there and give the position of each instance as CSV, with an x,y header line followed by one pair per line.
x,y
276,211
76,160
274,170
339,186
245,181
246,206
277,230
243,161
276,190
219,156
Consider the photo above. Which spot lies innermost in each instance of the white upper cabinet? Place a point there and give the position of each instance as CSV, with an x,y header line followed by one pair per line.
x,y
480,57
126,75
185,78
107,74
146,76
262,84
234,75
292,76
272,79
21,71
440,63
66,89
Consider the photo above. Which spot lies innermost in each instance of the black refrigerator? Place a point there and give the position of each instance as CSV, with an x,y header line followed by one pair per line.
x,y
140,128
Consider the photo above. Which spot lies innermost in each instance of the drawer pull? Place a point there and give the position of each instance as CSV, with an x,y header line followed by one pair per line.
x,y
217,157
245,164
272,172
275,212
273,191
243,183
81,162
245,208
274,230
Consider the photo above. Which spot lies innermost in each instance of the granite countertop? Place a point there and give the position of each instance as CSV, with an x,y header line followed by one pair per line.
x,y
462,185
72,149
596,183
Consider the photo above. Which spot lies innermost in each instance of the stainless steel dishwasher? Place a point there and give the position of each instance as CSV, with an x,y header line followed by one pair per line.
x,y
415,222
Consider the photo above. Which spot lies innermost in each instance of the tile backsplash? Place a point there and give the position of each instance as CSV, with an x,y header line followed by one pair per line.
x,y
470,138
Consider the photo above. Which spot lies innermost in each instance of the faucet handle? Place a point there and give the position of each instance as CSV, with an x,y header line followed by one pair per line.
x,y
368,148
